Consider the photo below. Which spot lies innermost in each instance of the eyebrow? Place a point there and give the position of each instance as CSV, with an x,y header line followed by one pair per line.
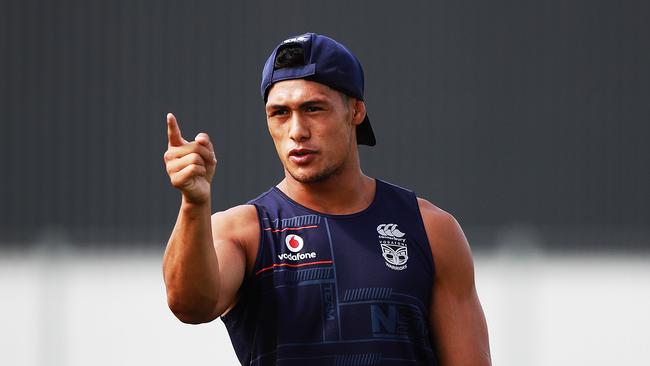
x,y
302,105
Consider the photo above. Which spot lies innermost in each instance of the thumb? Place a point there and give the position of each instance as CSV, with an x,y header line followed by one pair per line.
x,y
203,139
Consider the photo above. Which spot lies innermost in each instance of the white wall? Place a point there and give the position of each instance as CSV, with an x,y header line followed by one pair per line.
x,y
109,309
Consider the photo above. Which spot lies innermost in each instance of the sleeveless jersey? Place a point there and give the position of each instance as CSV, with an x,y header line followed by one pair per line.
x,y
337,290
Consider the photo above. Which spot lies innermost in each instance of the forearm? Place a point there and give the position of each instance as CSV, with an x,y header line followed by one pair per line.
x,y
190,265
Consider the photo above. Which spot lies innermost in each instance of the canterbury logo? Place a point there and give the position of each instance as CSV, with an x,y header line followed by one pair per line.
x,y
389,230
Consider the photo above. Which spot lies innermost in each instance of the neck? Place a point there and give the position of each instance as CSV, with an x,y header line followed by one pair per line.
x,y
341,194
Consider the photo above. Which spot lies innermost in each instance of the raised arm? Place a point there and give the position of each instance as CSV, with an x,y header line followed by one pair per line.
x,y
457,322
205,259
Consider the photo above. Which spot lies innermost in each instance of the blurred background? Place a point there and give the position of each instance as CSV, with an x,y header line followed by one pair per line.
x,y
528,120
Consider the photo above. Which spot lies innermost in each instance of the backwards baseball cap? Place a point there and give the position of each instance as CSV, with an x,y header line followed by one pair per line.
x,y
327,62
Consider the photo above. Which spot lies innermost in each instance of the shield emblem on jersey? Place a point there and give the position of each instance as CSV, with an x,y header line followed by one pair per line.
x,y
396,255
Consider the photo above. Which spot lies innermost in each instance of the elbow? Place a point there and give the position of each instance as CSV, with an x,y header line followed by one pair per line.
x,y
192,313
193,318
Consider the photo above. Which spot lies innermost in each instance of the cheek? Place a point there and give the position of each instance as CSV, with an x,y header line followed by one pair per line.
x,y
336,143
275,132
276,136
341,135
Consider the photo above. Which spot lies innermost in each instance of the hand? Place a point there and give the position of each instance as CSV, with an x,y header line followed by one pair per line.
x,y
190,165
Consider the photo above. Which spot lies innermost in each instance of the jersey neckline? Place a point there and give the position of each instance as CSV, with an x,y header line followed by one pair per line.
x,y
378,184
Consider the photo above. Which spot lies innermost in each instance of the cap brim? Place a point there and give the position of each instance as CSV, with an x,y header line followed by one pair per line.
x,y
365,135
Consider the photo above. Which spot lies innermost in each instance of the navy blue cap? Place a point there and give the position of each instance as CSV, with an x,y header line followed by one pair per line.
x,y
327,62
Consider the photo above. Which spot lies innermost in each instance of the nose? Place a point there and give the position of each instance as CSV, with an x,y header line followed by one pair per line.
x,y
298,128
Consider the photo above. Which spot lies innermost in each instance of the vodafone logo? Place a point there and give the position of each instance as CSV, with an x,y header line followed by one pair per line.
x,y
294,243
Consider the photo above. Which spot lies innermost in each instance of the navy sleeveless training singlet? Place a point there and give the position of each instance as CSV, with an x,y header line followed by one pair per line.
x,y
337,290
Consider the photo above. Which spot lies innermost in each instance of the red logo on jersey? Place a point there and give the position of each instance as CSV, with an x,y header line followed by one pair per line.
x,y
294,243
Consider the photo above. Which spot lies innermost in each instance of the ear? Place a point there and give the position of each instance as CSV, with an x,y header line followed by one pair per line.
x,y
358,110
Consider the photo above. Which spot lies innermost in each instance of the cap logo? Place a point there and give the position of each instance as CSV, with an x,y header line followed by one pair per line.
x,y
300,39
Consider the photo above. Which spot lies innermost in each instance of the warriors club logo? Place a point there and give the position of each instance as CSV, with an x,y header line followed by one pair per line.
x,y
393,246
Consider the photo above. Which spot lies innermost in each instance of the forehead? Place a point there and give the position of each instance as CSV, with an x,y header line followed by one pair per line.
x,y
298,91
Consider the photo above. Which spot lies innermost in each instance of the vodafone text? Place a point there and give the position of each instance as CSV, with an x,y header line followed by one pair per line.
x,y
297,256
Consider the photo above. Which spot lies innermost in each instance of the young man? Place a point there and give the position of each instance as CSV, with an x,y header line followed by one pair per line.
x,y
329,267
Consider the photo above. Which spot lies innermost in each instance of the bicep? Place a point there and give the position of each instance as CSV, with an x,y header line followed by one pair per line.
x,y
458,326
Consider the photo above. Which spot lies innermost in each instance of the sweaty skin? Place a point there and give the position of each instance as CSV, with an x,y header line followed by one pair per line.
x,y
313,129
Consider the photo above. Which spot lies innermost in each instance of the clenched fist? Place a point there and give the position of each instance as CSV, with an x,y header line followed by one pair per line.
x,y
190,165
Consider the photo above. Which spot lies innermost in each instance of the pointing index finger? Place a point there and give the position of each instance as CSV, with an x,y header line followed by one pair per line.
x,y
174,136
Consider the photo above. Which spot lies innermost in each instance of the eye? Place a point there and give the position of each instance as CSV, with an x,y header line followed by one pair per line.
x,y
278,112
313,108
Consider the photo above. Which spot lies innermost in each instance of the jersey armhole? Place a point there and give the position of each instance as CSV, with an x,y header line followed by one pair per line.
x,y
426,237
260,245
231,315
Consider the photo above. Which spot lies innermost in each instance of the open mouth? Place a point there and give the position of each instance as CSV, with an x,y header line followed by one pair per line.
x,y
301,156
300,153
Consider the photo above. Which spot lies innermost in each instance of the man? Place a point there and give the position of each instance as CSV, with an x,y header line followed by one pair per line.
x,y
329,267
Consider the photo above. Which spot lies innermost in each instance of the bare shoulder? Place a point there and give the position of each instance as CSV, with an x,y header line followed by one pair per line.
x,y
239,227
242,214
239,222
449,246
438,221
432,211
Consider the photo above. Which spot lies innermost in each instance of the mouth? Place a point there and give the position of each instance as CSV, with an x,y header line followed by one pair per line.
x,y
302,156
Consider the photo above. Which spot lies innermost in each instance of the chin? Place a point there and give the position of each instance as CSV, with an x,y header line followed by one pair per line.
x,y
312,177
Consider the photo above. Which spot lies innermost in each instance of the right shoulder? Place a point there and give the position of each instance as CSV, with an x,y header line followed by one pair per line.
x,y
238,214
238,225
239,221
